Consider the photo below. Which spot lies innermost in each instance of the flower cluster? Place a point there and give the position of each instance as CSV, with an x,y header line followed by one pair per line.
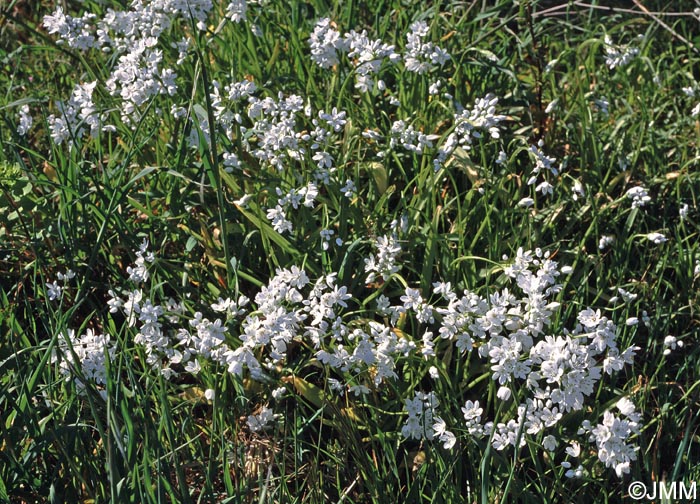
x,y
469,124
422,56
542,376
260,420
77,33
87,353
294,198
77,113
542,368
139,271
368,55
671,343
656,238
25,121
421,412
605,241
54,290
611,437
639,196
383,263
542,163
237,10
132,38
325,42
414,141
618,56
554,374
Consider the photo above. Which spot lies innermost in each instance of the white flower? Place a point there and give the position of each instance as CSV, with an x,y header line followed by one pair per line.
x,y
25,120
671,343
627,296
626,407
605,241
446,437
178,112
261,420
448,440
639,196
336,119
551,106
349,190
545,187
384,262
412,299
326,235
236,10
574,473
75,114
358,390
434,88
549,443
138,272
526,202
279,393
421,418
503,393
279,220
578,190
611,439
54,290
618,56
193,367
70,274
93,352
656,238
325,42
574,450
472,411
422,56
243,201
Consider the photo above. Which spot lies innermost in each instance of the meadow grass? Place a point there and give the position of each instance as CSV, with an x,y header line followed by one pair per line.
x,y
165,410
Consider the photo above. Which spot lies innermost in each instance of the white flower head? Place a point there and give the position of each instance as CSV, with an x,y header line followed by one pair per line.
x,y
656,238
618,56
639,196
549,443
671,343
260,421
605,241
25,121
